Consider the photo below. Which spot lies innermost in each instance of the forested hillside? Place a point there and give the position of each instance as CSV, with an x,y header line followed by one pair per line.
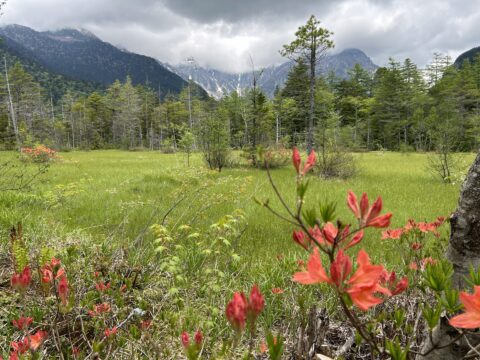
x,y
80,55
397,108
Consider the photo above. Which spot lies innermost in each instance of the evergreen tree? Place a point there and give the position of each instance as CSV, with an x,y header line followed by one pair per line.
x,y
311,43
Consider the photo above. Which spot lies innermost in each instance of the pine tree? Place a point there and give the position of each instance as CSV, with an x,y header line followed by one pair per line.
x,y
310,45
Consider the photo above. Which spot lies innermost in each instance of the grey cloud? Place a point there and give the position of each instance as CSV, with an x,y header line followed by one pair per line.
x,y
223,33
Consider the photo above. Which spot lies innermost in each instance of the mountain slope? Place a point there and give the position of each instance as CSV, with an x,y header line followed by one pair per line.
x,y
81,55
218,83
469,55
55,84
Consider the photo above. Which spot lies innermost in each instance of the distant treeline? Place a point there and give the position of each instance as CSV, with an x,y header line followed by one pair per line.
x,y
397,108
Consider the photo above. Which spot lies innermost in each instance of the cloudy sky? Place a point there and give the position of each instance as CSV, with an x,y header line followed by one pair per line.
x,y
223,34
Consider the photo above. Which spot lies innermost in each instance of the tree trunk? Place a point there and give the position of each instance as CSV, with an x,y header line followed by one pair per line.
x,y
311,116
463,251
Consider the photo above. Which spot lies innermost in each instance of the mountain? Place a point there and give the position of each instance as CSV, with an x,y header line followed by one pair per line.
x,y
55,85
218,83
467,55
80,55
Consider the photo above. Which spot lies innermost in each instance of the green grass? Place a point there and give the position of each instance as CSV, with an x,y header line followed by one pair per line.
x,y
104,201
114,193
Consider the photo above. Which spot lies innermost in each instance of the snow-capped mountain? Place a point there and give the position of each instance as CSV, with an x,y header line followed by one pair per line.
x,y
218,83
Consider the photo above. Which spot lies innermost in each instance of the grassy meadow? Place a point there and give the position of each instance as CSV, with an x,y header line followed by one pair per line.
x,y
109,199
116,194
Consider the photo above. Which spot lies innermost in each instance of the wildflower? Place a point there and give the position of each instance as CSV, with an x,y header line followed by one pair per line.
x,y
75,352
20,347
392,234
413,266
301,263
410,225
111,332
198,338
46,274
361,286
393,284
63,290
263,347
101,287
368,216
236,311
277,291
470,319
315,272
37,339
21,281
256,303
416,246
55,263
99,309
311,160
427,261
185,340
426,227
301,239
22,323
355,240
145,324
310,163
296,159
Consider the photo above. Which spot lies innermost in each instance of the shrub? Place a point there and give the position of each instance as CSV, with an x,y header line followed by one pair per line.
x,y
213,138
272,157
38,154
335,162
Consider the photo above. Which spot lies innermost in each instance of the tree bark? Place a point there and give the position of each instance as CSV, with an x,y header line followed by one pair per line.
x,y
463,252
311,117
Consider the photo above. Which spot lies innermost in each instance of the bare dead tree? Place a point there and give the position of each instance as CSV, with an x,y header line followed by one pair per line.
x,y
463,252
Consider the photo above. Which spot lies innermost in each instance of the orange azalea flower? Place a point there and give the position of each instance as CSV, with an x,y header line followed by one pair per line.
x,y
99,309
256,303
277,291
394,285
301,239
297,161
392,234
416,246
361,286
312,159
365,283
470,319
63,290
427,261
111,332
22,280
37,339
236,311
368,216
22,323
355,240
21,346
315,272
100,286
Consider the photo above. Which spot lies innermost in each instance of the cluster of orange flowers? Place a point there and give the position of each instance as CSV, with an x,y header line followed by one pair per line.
x,y
39,153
